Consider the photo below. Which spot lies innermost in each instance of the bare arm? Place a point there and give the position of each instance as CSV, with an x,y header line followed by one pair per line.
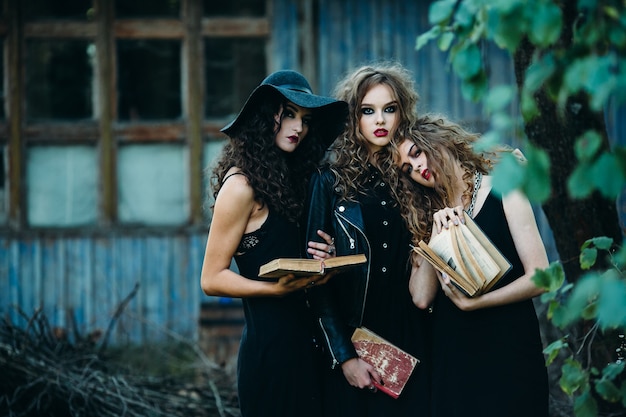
x,y
423,283
235,209
530,249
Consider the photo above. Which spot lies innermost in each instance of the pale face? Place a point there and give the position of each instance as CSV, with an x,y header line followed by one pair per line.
x,y
414,163
293,127
379,117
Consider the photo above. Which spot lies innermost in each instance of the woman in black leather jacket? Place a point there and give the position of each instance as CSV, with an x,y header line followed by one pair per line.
x,y
355,199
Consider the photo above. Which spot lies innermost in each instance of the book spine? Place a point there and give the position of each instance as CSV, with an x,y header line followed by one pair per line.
x,y
386,390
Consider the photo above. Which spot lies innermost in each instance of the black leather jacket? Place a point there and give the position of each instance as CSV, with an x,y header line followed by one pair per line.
x,y
339,305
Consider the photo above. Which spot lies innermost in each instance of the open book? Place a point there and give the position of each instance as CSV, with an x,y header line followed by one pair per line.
x,y
394,365
473,263
308,267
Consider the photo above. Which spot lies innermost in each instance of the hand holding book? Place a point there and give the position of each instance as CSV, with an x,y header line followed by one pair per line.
x,y
463,252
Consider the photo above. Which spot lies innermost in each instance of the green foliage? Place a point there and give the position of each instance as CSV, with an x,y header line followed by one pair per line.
x,y
588,62
598,297
593,64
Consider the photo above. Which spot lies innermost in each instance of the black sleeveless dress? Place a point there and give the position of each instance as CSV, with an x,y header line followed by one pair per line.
x,y
489,362
277,370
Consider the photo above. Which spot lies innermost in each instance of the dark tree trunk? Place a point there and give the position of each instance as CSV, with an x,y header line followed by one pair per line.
x,y
572,221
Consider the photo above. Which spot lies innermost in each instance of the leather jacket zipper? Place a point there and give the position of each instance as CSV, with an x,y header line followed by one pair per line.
x,y
330,349
369,255
350,238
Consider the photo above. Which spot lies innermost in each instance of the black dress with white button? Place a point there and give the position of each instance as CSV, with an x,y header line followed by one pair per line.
x,y
389,310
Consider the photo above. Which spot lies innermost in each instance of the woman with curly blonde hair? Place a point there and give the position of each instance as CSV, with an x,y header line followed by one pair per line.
x,y
355,199
489,340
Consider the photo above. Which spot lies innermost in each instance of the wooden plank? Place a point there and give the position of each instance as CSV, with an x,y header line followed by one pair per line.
x,y
60,29
149,132
236,27
79,259
104,275
193,58
53,132
105,109
15,94
148,29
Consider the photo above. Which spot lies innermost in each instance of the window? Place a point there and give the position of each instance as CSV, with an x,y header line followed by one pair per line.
x,y
118,112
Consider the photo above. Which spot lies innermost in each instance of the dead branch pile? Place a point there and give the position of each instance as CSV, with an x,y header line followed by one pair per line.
x,y
44,373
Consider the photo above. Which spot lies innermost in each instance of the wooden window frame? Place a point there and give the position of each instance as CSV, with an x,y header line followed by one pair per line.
x,y
105,131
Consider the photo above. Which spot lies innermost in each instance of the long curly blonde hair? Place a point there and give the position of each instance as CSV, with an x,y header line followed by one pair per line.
x,y
349,155
444,143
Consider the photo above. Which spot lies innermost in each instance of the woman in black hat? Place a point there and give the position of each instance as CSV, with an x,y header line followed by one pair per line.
x,y
356,199
259,184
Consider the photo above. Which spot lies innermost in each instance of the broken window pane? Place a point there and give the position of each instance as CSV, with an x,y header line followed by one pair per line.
x,y
72,9
147,8
149,82
153,184
59,79
62,185
234,8
233,68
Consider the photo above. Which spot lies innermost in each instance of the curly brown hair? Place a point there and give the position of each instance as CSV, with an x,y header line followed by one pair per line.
x,y
279,179
443,142
349,154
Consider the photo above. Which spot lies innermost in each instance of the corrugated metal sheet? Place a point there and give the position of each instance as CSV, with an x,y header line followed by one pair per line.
x,y
84,279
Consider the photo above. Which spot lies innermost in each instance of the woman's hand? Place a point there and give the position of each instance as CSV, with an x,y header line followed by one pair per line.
x,y
322,250
446,217
360,374
455,295
290,283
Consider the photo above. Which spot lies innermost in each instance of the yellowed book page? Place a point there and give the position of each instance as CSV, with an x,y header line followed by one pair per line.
x,y
482,264
308,267
503,264
443,247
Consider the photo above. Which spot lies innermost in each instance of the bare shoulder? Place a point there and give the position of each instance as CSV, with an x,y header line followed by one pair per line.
x,y
236,192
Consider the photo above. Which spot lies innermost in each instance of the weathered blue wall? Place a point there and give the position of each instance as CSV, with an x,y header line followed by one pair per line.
x,y
91,274
88,277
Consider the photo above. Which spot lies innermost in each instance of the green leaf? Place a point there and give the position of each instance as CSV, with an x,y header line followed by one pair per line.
x,y
551,278
537,185
602,242
467,62
507,174
587,145
579,184
545,24
608,390
426,37
585,405
474,89
440,12
465,14
445,40
553,349
588,257
612,301
505,28
528,106
607,176
539,72
582,298
573,378
499,98
613,369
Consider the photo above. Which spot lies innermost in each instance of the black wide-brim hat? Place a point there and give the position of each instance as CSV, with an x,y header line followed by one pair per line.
x,y
330,114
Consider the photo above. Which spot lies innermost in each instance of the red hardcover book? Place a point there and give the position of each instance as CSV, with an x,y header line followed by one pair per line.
x,y
394,365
